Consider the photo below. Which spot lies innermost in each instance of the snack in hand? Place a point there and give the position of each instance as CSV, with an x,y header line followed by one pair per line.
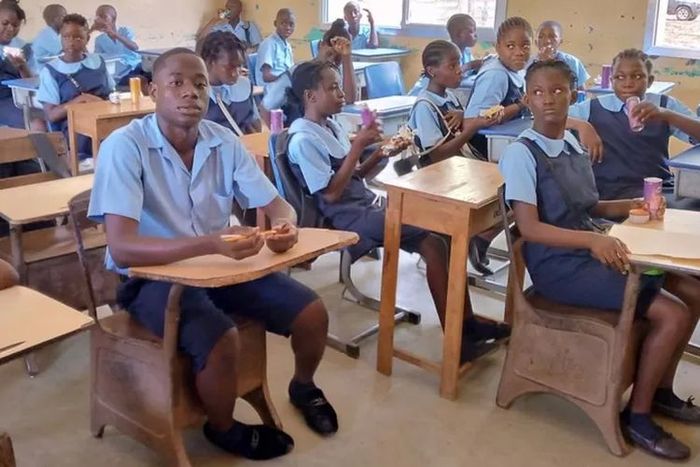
x,y
401,140
237,237
13,52
492,112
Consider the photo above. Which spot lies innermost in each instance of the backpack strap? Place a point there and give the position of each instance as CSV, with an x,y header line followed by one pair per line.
x,y
224,110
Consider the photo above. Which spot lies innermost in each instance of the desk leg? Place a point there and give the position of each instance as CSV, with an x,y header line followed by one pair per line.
x,y
7,455
260,219
392,241
26,109
73,146
454,315
17,253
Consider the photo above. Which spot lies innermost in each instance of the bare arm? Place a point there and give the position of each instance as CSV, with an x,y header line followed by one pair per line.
x,y
689,126
373,41
279,211
131,45
470,127
616,209
349,85
56,113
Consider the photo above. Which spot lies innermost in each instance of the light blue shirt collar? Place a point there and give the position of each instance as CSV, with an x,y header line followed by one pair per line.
x,y
237,92
92,61
553,147
515,77
613,103
335,142
279,39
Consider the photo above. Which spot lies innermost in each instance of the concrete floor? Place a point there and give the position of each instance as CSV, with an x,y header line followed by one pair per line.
x,y
397,421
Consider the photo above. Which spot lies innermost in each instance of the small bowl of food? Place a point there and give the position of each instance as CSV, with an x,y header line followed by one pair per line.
x,y
639,216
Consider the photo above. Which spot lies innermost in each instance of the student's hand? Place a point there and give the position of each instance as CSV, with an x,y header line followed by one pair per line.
x,y
341,45
610,251
648,112
18,61
547,53
89,98
248,246
592,142
454,119
285,237
368,135
370,18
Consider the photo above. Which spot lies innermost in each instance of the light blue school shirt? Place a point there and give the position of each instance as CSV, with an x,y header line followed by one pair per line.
x,y
611,102
467,78
275,52
142,177
311,148
491,87
361,41
48,88
276,92
240,31
128,59
240,91
425,121
519,168
46,45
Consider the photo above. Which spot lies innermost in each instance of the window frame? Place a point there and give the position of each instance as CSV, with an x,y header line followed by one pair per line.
x,y
426,30
650,34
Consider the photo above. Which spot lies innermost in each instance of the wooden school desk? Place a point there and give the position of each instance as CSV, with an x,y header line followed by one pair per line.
x,y
379,54
686,166
498,137
257,146
456,197
98,119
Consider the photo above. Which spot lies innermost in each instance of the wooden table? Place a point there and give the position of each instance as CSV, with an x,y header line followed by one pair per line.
x,y
10,133
98,119
456,197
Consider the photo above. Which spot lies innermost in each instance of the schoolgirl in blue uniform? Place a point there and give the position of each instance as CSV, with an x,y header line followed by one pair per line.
x,y
628,156
549,39
326,163
499,82
550,186
231,95
74,77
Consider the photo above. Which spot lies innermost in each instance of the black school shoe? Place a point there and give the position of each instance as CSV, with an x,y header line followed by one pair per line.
x,y
472,350
688,412
317,411
485,331
660,444
256,442
478,247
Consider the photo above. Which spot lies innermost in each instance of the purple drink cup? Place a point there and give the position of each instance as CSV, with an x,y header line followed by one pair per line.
x,y
652,197
605,76
367,116
276,121
630,104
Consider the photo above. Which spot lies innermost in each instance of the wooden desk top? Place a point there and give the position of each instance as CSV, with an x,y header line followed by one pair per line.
x,y
29,203
257,143
218,271
676,222
105,109
9,133
457,180
29,319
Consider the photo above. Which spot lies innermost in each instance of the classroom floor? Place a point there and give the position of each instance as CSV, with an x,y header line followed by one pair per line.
x,y
397,421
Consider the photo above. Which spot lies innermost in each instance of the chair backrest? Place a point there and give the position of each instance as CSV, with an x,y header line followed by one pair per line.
x,y
289,185
252,63
20,153
383,79
78,208
314,47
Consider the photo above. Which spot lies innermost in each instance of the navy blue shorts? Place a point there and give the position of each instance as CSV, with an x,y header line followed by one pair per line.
x,y
206,314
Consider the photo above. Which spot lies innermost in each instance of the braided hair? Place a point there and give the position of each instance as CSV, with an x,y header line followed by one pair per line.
x,y
635,54
218,43
13,6
514,22
307,76
435,53
337,29
558,65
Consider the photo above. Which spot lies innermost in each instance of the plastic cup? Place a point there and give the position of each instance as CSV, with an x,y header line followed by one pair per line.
x,y
630,104
605,75
652,197
135,88
276,121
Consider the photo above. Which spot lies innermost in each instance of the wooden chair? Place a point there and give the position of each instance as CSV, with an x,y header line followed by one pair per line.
x,y
7,456
586,356
140,383
22,150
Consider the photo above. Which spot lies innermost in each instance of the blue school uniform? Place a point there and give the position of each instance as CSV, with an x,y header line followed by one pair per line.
x,y
10,115
46,47
467,78
555,176
429,126
61,82
361,40
629,157
316,152
247,31
238,100
276,92
276,53
129,60
168,200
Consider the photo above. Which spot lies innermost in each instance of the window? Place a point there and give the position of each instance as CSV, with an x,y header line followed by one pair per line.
x,y
423,17
673,28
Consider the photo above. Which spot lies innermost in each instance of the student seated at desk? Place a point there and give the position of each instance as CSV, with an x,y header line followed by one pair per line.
x,y
499,81
176,177
335,47
549,39
275,55
550,186
629,156
231,95
117,41
229,20
74,77
462,31
14,64
326,164
362,37
47,44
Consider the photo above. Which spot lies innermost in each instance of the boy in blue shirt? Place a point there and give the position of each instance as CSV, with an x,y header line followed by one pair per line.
x,y
229,20
363,37
275,54
47,44
177,175
549,39
118,41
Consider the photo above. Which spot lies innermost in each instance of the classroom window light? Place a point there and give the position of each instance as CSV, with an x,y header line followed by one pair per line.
x,y
425,18
673,28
